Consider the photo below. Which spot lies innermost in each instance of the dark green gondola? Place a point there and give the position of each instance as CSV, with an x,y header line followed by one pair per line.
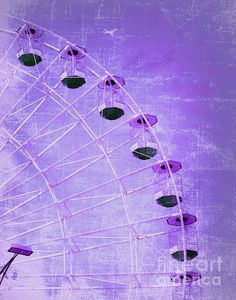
x,y
168,201
179,255
112,113
73,82
144,153
30,59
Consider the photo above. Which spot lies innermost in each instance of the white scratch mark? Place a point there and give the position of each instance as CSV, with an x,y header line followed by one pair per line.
x,y
111,32
53,6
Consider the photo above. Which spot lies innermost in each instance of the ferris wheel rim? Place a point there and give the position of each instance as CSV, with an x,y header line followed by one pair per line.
x,y
137,109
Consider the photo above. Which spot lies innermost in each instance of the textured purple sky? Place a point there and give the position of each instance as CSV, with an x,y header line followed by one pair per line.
x,y
178,59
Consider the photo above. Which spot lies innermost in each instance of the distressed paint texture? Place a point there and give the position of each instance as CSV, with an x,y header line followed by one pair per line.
x,y
178,60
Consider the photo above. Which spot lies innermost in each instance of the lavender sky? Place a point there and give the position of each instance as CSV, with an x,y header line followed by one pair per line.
x,y
178,60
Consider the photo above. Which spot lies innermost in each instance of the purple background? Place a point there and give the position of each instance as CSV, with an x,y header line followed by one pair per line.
x,y
178,59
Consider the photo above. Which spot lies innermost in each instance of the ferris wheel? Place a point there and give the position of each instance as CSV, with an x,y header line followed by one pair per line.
x,y
91,207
